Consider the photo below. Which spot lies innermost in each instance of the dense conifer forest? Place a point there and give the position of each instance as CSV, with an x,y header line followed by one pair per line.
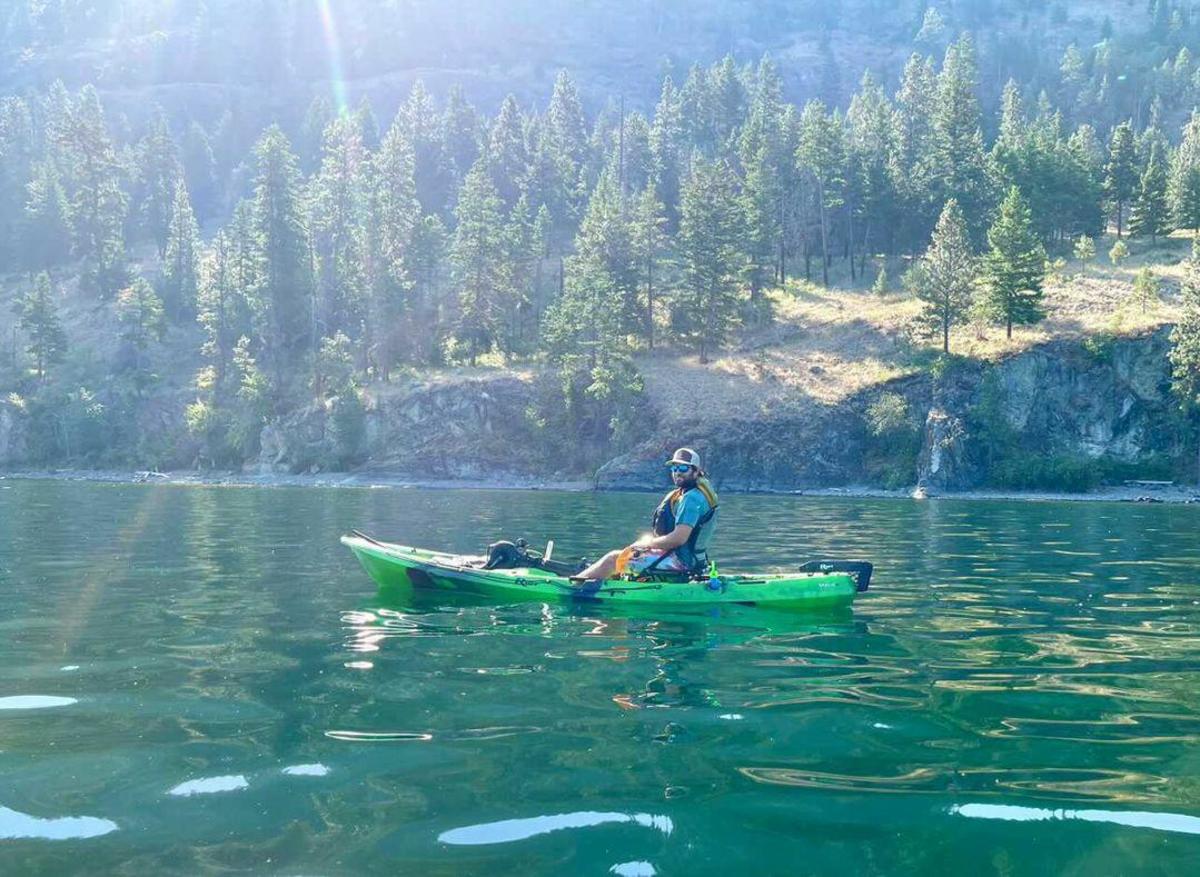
x,y
294,254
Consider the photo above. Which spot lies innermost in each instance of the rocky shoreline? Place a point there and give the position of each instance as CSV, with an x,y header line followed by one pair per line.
x,y
1143,493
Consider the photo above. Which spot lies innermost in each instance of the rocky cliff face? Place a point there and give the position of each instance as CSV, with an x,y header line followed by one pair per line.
x,y
1099,399
1092,400
1096,400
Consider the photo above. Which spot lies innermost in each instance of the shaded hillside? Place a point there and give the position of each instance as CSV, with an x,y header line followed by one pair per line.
x,y
272,56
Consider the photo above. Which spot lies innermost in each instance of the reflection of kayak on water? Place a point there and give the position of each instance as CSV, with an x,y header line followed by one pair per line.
x,y
816,584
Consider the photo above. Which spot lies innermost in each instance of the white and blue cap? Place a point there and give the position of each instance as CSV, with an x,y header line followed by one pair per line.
x,y
685,457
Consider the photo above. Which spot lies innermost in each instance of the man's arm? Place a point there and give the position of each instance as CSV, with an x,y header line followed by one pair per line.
x,y
674,539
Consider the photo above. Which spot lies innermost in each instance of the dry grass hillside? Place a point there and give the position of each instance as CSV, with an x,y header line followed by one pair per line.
x,y
827,344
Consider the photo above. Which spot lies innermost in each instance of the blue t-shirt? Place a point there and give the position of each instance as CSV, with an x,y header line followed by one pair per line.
x,y
689,510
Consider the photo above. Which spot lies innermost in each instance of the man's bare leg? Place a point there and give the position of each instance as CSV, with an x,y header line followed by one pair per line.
x,y
603,568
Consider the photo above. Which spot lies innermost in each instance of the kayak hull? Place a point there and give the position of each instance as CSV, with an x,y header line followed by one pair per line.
x,y
401,566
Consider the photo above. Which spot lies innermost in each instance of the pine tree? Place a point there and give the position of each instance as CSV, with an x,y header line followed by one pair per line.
x,y
957,163
159,173
1185,343
870,135
508,154
200,170
38,316
1145,289
477,262
729,101
696,111
47,231
1150,215
909,169
17,173
97,202
946,275
421,125
1085,249
1015,266
1120,173
393,215
667,151
460,134
706,304
567,131
821,154
224,313
281,235
140,316
367,124
649,239
181,262
338,203
1184,184
761,153
605,244
312,133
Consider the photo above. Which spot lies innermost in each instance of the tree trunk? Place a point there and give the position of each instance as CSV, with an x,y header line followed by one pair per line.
x,y
1009,329
946,335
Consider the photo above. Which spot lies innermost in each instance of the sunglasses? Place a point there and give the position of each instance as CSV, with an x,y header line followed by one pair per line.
x,y
680,468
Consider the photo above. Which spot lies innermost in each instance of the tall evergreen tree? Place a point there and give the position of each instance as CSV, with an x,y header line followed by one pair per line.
x,y
97,202
282,237
47,232
478,264
159,173
1120,173
422,126
1184,183
181,263
367,124
394,214
706,304
870,129
649,239
667,151
957,163
317,119
460,134
337,204
1014,267
140,316
761,154
910,171
1150,215
945,279
508,153
38,316
200,170
821,154
16,171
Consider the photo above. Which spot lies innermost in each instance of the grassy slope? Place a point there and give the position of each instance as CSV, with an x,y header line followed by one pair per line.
x,y
826,345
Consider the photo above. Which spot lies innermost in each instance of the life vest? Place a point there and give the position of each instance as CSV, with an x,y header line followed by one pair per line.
x,y
663,521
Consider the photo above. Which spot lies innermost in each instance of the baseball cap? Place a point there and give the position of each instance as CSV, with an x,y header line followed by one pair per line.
x,y
686,457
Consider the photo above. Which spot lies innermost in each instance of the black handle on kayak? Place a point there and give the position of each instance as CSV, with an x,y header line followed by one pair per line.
x,y
860,569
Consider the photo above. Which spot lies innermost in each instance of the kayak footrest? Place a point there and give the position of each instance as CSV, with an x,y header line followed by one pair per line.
x,y
860,569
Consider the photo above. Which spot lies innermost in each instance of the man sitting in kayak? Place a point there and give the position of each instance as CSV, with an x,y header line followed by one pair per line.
x,y
683,526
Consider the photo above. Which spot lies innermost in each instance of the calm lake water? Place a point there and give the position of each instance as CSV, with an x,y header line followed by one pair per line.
x,y
202,680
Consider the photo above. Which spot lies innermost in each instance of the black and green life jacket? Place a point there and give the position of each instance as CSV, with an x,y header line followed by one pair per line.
x,y
663,521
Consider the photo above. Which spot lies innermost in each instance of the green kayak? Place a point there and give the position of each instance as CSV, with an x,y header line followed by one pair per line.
x,y
818,584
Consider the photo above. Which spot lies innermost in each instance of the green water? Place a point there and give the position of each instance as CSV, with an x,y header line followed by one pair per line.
x,y
201,680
